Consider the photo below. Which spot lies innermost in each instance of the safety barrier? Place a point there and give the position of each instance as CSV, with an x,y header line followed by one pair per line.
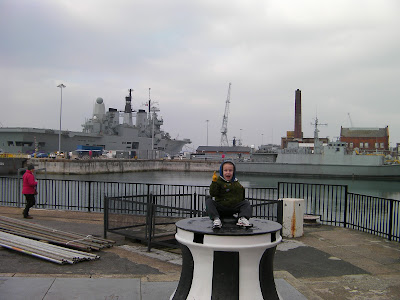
x,y
150,218
333,203
336,206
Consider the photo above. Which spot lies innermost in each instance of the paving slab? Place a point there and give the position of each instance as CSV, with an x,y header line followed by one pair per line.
x,y
158,290
93,289
21,288
286,291
32,288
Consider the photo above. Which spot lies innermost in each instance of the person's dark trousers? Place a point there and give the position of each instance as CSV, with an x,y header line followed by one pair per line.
x,y
215,210
30,201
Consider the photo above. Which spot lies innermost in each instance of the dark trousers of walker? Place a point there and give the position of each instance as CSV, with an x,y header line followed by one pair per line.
x,y
30,201
216,210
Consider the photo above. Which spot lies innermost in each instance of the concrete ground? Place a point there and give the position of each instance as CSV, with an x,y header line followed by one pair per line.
x,y
326,263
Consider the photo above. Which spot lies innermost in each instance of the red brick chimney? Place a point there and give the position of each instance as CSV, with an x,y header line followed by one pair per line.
x,y
298,134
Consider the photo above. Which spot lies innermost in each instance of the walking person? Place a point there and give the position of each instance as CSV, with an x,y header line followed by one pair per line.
x,y
29,184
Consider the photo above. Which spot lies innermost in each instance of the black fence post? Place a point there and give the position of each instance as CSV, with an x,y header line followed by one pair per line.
x,y
89,196
105,216
345,207
146,230
280,212
20,196
390,213
193,207
149,221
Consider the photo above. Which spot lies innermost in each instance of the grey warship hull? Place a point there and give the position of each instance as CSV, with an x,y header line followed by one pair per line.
x,y
10,165
384,172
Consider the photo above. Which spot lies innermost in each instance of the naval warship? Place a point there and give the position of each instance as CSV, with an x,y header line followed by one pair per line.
x,y
333,160
142,137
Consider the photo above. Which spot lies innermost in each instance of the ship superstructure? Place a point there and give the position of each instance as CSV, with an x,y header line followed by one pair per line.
x,y
143,137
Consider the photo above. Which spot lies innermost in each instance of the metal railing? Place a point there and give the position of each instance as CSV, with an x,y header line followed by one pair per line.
x,y
333,203
327,201
337,206
147,218
375,215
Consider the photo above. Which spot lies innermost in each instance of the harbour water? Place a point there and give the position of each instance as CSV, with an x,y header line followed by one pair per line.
x,y
384,189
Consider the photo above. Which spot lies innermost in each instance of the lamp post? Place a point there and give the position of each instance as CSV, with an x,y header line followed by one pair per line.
x,y
61,86
207,130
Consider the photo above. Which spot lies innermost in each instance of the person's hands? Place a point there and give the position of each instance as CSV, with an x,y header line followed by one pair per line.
x,y
215,177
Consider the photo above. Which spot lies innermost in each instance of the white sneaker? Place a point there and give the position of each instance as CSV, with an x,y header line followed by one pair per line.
x,y
243,222
217,223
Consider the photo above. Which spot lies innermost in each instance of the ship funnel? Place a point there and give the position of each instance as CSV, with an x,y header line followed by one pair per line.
x,y
128,109
141,118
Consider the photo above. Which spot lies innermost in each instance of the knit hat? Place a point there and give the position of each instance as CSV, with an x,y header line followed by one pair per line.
x,y
31,167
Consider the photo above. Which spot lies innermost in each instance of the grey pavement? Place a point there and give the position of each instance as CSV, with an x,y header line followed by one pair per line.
x,y
326,263
102,288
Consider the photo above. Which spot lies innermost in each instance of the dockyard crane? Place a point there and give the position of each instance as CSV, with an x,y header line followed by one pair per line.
x,y
351,122
224,127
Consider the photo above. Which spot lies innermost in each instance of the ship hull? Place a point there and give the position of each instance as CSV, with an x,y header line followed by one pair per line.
x,y
384,172
10,165
23,140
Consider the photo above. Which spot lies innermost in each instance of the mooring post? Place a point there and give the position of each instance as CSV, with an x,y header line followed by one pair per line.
x,y
228,263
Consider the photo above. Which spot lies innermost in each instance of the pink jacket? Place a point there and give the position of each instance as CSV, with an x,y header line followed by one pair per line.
x,y
28,183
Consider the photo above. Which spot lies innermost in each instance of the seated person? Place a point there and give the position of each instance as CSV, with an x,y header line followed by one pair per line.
x,y
228,197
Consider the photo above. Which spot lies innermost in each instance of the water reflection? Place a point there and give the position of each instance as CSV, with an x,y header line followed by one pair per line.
x,y
384,189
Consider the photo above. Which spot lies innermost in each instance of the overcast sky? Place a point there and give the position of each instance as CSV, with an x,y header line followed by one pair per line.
x,y
344,55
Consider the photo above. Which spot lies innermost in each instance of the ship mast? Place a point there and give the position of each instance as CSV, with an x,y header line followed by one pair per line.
x,y
153,116
149,100
224,128
128,109
317,142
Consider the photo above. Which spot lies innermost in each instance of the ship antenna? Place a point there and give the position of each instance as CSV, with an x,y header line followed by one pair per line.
x,y
149,100
317,142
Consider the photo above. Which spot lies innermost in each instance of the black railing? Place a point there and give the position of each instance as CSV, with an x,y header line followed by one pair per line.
x,y
327,201
336,206
378,216
147,218
333,203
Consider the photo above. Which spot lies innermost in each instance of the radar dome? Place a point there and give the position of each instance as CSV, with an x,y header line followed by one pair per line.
x,y
99,109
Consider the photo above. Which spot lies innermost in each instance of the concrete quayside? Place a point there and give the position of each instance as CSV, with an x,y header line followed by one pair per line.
x,y
97,166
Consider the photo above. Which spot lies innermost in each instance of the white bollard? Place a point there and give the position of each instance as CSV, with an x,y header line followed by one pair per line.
x,y
227,263
293,212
